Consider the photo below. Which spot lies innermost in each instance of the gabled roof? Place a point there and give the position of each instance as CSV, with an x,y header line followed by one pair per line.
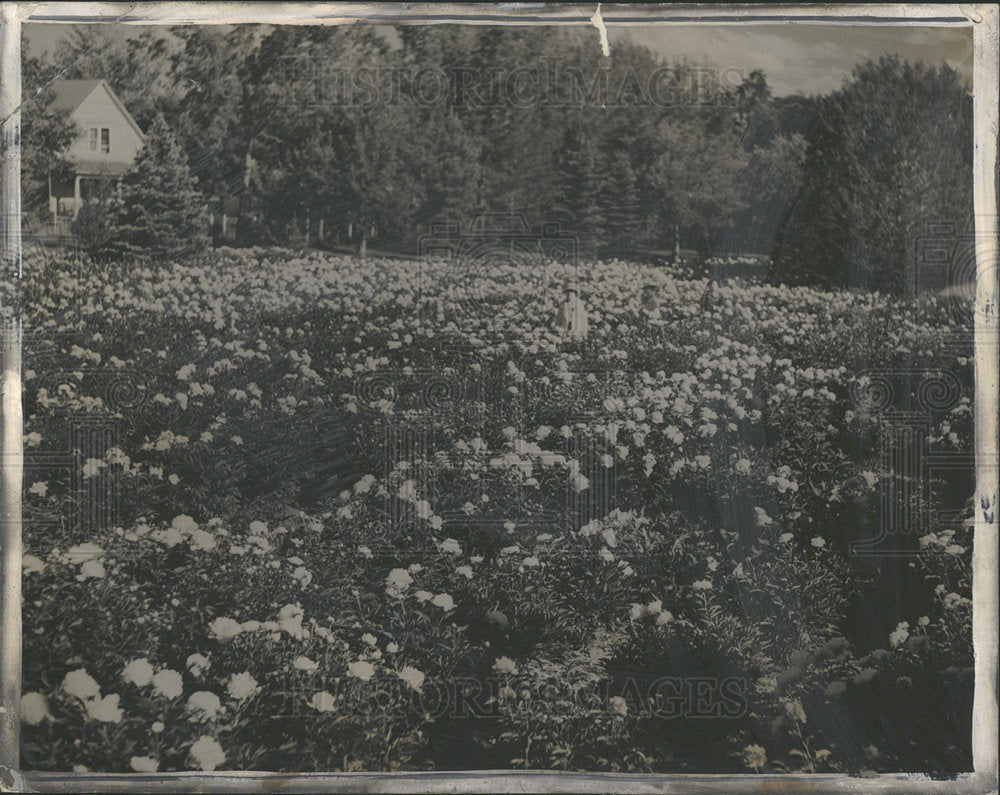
x,y
70,94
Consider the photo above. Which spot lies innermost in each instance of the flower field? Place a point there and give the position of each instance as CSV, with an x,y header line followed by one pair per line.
x,y
290,511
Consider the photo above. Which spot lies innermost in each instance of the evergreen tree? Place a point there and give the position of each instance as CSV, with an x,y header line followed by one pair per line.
x,y
159,209
620,202
581,184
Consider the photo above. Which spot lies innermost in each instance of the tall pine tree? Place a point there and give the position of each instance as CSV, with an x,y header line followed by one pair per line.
x,y
158,209
582,182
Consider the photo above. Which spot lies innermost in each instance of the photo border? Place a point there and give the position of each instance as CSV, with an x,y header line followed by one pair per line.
x,y
983,18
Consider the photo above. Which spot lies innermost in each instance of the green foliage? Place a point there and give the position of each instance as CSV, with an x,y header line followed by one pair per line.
x,y
892,153
94,227
45,135
137,67
158,209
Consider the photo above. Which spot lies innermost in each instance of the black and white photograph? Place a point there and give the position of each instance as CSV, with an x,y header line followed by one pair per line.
x,y
483,397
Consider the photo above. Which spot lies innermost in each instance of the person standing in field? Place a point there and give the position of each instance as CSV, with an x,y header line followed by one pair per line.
x,y
710,297
649,304
571,318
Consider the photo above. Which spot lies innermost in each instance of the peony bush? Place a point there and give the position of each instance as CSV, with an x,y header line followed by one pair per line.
x,y
370,519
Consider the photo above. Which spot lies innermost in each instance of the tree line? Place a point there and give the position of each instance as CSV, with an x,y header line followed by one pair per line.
x,y
363,138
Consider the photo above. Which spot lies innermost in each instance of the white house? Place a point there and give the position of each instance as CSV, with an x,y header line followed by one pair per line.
x,y
106,146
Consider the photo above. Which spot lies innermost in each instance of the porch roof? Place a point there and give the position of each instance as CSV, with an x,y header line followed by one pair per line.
x,y
99,168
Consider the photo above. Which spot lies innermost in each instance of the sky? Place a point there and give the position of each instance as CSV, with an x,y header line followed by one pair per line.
x,y
805,59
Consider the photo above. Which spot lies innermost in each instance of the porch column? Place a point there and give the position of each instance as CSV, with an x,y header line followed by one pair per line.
x,y
76,195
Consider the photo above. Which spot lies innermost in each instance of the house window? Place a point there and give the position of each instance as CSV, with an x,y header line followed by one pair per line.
x,y
100,140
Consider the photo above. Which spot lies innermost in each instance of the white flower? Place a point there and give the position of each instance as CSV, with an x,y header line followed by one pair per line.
x,y
92,467
762,518
784,538
138,672
39,487
202,540
818,542
412,677
31,564
497,617
664,618
81,684
144,764
444,601
743,465
464,571
505,665
530,562
91,569
207,753
618,706
105,709
225,628
578,481
197,664
450,546
702,585
754,756
168,683
184,523
304,664
795,711
34,708
241,686
369,639
361,670
900,634
323,702
82,553
204,705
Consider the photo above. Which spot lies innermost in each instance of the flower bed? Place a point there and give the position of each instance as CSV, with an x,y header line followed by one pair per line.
x,y
370,518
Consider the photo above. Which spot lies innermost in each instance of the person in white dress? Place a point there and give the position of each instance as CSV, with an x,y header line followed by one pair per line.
x,y
571,319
